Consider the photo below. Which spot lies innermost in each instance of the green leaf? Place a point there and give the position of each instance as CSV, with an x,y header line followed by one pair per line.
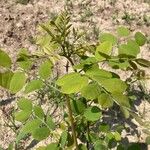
x,y
5,60
140,38
25,104
82,147
11,146
78,106
50,122
121,99
29,127
38,111
25,64
17,82
95,71
41,148
117,136
118,64
33,86
112,85
99,146
105,100
41,133
129,49
72,83
105,48
123,31
108,37
22,115
5,79
24,59
92,113
120,147
135,146
104,127
45,70
91,91
63,139
125,112
148,140
52,146
143,62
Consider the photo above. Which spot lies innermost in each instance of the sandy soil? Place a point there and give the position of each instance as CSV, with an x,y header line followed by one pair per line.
x,y
18,27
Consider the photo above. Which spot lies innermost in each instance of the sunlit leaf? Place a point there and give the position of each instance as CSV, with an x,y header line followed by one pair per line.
x,y
105,48
22,115
123,31
17,82
41,133
72,83
45,69
140,38
5,79
129,49
5,60
50,122
108,37
38,111
25,104
33,86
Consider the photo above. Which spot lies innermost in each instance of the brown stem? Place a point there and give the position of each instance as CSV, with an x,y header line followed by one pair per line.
x,y
72,122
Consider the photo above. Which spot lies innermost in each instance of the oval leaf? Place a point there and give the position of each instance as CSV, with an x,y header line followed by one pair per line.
x,y
25,104
5,60
72,83
140,38
33,86
5,79
38,111
45,70
108,37
17,82
92,113
123,31
41,133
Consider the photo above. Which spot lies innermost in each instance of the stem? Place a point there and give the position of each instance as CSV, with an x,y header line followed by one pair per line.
x,y
88,132
72,122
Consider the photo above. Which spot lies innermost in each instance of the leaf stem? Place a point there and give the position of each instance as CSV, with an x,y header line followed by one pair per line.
x,y
72,122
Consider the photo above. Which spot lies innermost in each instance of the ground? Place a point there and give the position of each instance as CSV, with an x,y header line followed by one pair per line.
x,y
19,23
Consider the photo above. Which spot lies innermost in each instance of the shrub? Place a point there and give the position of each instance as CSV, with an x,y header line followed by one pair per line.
x,y
94,99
